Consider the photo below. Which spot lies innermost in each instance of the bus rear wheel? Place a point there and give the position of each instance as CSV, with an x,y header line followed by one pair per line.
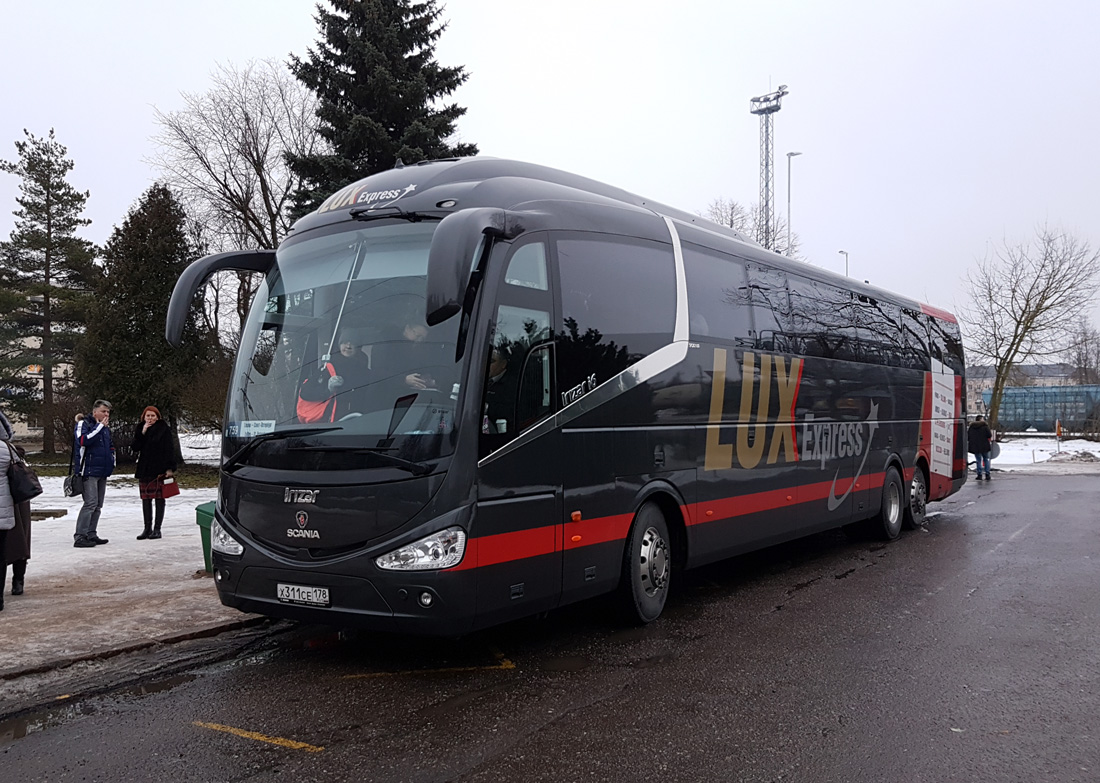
x,y
647,566
889,519
917,507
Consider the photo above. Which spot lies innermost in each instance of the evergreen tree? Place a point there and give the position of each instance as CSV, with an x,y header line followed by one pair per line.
x,y
46,271
124,357
377,81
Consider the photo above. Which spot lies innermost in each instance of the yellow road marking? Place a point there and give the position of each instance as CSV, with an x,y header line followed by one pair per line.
x,y
286,743
503,663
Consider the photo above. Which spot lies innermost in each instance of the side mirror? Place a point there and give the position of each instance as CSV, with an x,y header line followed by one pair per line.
x,y
450,260
195,275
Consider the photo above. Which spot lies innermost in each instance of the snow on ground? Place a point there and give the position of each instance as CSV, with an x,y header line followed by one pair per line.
x,y
201,447
1023,450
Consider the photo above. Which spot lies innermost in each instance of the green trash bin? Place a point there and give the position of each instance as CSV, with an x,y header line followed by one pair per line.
x,y
204,516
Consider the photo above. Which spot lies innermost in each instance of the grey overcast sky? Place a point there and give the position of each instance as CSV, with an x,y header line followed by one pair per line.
x,y
930,132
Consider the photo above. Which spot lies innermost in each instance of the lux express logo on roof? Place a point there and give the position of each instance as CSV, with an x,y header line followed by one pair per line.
x,y
358,194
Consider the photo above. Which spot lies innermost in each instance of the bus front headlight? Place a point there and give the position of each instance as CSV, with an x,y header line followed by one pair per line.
x,y
220,541
443,549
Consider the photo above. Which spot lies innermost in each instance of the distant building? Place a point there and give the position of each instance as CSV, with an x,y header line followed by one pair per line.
x,y
1041,407
979,381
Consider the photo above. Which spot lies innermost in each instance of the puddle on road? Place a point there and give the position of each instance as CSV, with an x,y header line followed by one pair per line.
x,y
17,728
45,718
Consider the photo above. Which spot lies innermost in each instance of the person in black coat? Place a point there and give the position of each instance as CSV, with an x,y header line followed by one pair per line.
x,y
979,442
336,388
156,460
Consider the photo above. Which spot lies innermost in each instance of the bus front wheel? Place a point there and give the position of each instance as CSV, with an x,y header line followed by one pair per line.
x,y
647,566
889,519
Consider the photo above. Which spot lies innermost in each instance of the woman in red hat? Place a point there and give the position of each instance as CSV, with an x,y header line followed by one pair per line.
x,y
156,460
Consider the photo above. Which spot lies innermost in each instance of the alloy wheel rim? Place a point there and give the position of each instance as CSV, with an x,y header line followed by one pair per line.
x,y
653,559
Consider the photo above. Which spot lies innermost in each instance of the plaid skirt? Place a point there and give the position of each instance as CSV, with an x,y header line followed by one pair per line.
x,y
151,489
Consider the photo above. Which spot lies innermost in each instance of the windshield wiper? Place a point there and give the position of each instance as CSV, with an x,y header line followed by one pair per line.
x,y
416,468
247,448
366,213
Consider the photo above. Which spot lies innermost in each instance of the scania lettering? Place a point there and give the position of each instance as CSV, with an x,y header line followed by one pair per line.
x,y
473,390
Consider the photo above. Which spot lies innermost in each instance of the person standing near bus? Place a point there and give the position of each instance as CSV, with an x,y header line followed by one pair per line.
x,y
156,460
15,541
94,454
979,442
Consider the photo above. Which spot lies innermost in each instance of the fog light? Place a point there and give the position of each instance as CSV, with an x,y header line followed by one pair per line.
x,y
217,576
425,599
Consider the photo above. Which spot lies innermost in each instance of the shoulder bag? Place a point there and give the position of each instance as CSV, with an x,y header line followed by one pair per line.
x,y
22,481
74,482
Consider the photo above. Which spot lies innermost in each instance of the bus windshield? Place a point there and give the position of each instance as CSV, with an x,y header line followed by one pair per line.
x,y
337,368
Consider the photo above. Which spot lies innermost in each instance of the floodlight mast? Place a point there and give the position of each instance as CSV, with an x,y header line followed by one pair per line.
x,y
766,106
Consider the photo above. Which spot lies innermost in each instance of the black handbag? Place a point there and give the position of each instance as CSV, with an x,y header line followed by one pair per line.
x,y
22,481
74,482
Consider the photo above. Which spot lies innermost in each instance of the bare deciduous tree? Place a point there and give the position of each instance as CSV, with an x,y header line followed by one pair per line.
x,y
1084,354
746,221
1024,302
225,156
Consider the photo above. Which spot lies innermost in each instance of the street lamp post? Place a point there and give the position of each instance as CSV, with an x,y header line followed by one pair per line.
x,y
845,254
789,156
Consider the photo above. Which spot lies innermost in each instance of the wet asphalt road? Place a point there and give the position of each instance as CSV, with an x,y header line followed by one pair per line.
x,y
965,651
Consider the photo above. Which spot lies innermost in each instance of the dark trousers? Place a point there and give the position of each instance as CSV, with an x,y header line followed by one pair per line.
x,y
147,511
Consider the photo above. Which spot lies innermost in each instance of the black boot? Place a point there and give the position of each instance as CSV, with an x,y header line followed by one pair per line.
x,y
158,518
18,572
146,533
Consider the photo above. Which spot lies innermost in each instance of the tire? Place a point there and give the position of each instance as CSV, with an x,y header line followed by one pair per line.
x,y
887,524
647,566
917,507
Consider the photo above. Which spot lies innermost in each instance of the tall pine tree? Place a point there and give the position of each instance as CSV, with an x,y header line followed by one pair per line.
x,y
47,272
375,75
124,356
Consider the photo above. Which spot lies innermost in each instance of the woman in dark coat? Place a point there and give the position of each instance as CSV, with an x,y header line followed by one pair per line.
x,y
15,542
156,460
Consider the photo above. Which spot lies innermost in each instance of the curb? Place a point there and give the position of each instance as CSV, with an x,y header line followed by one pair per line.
x,y
111,652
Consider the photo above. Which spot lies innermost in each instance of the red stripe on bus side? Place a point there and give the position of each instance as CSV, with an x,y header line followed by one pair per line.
x,y
597,531
523,544
506,547
728,508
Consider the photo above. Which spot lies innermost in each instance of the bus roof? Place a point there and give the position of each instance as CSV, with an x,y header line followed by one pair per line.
x,y
442,186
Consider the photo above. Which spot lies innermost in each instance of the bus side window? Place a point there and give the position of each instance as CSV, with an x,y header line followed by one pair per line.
x,y
519,363
771,307
718,296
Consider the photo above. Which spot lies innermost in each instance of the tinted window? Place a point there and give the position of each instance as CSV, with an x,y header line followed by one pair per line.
x,y
527,268
770,307
618,304
946,343
914,330
717,295
821,320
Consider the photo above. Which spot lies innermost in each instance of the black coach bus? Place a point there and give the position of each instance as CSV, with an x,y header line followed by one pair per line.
x,y
472,390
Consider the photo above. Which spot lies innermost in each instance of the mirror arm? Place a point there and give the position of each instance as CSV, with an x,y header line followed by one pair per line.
x,y
195,275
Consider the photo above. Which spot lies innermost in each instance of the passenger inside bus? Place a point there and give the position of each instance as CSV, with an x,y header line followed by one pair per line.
x,y
335,389
410,362
500,395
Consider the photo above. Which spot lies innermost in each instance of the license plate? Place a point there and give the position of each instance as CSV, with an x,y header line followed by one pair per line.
x,y
300,594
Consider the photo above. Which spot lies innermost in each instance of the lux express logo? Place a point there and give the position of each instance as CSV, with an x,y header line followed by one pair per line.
x,y
354,195
774,440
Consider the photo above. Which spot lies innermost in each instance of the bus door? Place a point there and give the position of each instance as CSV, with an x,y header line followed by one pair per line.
x,y
518,526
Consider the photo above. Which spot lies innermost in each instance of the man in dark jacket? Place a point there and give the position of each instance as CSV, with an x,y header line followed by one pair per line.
x,y
94,459
979,442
